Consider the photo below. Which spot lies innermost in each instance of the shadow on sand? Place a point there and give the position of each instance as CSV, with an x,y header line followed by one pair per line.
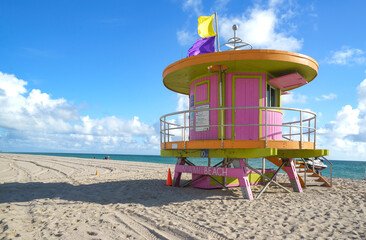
x,y
146,192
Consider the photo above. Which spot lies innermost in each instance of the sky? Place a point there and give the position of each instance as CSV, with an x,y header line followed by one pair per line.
x,y
86,76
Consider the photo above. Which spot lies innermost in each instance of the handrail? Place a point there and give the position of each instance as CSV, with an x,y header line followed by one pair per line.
x,y
303,124
331,166
235,108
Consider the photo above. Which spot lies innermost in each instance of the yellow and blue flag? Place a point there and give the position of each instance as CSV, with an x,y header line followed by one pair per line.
x,y
205,26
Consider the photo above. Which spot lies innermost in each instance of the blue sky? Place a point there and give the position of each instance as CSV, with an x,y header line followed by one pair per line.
x,y
86,76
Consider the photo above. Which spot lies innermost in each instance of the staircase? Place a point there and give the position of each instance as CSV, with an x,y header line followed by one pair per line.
x,y
306,175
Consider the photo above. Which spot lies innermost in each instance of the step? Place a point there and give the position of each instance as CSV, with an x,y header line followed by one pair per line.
x,y
308,171
320,180
315,184
313,175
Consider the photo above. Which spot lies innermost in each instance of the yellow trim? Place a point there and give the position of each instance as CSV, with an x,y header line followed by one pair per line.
x,y
223,103
278,93
200,77
229,180
208,92
247,153
222,153
301,153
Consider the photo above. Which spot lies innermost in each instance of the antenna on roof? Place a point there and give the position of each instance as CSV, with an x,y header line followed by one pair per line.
x,y
235,43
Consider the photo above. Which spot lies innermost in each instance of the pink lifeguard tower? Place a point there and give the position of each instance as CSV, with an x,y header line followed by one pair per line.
x,y
235,114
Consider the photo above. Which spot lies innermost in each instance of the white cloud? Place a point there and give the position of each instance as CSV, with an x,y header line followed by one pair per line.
x,y
11,86
275,3
182,105
347,56
323,97
220,6
185,38
346,135
261,28
37,121
293,98
193,5
183,102
361,95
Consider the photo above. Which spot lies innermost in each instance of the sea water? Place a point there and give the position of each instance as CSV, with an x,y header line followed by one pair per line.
x,y
341,169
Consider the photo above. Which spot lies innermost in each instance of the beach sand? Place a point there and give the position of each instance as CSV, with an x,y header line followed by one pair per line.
x,y
47,197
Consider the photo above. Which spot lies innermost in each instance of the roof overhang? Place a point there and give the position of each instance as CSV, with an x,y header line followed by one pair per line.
x,y
178,76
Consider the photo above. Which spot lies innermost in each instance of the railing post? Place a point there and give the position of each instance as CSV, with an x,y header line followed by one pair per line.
x,y
315,132
290,130
309,131
265,124
300,129
168,133
331,177
222,129
184,130
164,132
161,135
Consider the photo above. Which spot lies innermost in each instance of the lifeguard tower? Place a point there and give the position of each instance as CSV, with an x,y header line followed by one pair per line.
x,y
235,114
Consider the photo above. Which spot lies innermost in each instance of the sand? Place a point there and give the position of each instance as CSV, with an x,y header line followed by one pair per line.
x,y
47,197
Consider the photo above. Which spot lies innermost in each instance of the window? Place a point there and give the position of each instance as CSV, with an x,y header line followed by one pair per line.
x,y
271,96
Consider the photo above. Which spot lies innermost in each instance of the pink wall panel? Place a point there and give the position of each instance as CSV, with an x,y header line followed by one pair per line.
x,y
273,132
228,103
213,131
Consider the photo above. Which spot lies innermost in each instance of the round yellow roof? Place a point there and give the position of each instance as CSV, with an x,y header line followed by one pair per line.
x,y
177,76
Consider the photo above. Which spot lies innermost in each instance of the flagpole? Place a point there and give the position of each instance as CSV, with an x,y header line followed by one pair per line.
x,y
217,34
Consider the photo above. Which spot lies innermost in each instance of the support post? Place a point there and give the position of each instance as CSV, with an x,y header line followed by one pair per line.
x,y
263,169
292,174
178,175
225,166
243,180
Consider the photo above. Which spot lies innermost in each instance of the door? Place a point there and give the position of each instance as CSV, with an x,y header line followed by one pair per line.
x,y
246,94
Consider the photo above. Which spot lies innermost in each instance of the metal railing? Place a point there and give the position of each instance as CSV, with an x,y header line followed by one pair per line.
x,y
174,127
330,169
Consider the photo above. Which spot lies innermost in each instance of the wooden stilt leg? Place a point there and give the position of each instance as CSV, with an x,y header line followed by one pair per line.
x,y
243,180
292,174
178,175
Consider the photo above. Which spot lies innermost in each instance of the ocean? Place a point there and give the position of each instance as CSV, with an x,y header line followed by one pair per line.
x,y
341,169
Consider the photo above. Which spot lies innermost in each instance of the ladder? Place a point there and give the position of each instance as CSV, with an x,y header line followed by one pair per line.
x,y
307,176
